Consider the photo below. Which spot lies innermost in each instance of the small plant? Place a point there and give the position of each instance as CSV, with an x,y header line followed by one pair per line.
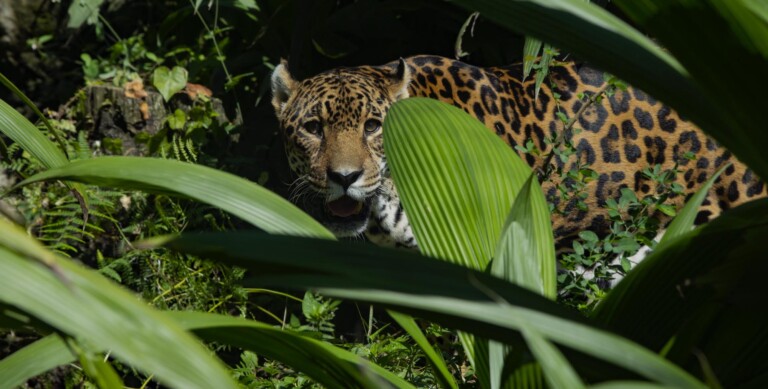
x,y
319,312
127,60
595,263
186,132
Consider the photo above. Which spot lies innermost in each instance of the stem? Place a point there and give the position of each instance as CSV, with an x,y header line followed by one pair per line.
x,y
219,54
544,170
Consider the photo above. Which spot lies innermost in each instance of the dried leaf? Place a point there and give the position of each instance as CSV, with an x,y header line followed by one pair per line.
x,y
144,109
196,90
135,89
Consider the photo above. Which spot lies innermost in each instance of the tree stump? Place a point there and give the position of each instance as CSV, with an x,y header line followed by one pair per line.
x,y
119,114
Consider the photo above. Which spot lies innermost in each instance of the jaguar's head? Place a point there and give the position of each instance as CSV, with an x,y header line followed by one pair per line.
x,y
332,129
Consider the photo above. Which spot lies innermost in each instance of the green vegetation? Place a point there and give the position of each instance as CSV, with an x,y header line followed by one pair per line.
x,y
208,251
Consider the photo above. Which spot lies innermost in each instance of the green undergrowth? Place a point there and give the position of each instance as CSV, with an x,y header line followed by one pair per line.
x,y
98,227
102,238
99,230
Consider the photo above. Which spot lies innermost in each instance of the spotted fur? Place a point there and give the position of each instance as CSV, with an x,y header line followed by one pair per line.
x,y
622,135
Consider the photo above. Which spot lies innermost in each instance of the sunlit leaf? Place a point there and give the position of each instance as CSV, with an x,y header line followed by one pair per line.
x,y
169,81
233,194
458,181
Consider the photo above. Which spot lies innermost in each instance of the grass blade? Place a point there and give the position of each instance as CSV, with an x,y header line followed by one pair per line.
x,y
21,131
35,151
542,73
434,358
518,260
531,51
33,360
557,371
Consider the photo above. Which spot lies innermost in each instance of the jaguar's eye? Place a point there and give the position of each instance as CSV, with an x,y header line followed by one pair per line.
x,y
314,127
372,125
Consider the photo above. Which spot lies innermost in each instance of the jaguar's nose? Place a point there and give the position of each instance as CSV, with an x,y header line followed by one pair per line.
x,y
345,179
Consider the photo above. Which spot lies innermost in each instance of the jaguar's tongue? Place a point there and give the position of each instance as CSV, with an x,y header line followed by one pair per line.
x,y
345,206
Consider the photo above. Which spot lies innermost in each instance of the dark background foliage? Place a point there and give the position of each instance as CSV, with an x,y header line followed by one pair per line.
x,y
314,35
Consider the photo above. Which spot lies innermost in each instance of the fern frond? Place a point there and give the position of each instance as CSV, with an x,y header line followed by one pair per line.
x,y
82,149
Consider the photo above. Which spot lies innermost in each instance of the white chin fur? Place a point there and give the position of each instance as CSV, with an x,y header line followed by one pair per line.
x,y
335,191
351,233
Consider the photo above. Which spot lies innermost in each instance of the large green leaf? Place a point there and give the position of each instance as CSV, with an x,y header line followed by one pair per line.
x,y
519,247
446,293
514,261
83,304
233,194
700,296
328,365
457,181
723,106
693,31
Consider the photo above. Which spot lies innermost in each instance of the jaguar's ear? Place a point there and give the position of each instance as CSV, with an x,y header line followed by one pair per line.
x,y
283,86
401,78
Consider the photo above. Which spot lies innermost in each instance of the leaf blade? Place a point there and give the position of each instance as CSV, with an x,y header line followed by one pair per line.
x,y
33,360
327,364
82,304
684,220
365,273
457,182
433,357
244,199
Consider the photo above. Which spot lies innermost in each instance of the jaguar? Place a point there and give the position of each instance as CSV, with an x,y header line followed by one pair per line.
x,y
331,124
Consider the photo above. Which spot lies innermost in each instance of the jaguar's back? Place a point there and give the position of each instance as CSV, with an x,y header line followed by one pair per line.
x,y
336,116
621,135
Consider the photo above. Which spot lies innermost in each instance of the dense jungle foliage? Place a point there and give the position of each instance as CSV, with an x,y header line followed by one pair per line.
x,y
126,126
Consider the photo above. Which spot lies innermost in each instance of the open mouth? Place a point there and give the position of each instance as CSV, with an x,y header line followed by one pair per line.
x,y
346,207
